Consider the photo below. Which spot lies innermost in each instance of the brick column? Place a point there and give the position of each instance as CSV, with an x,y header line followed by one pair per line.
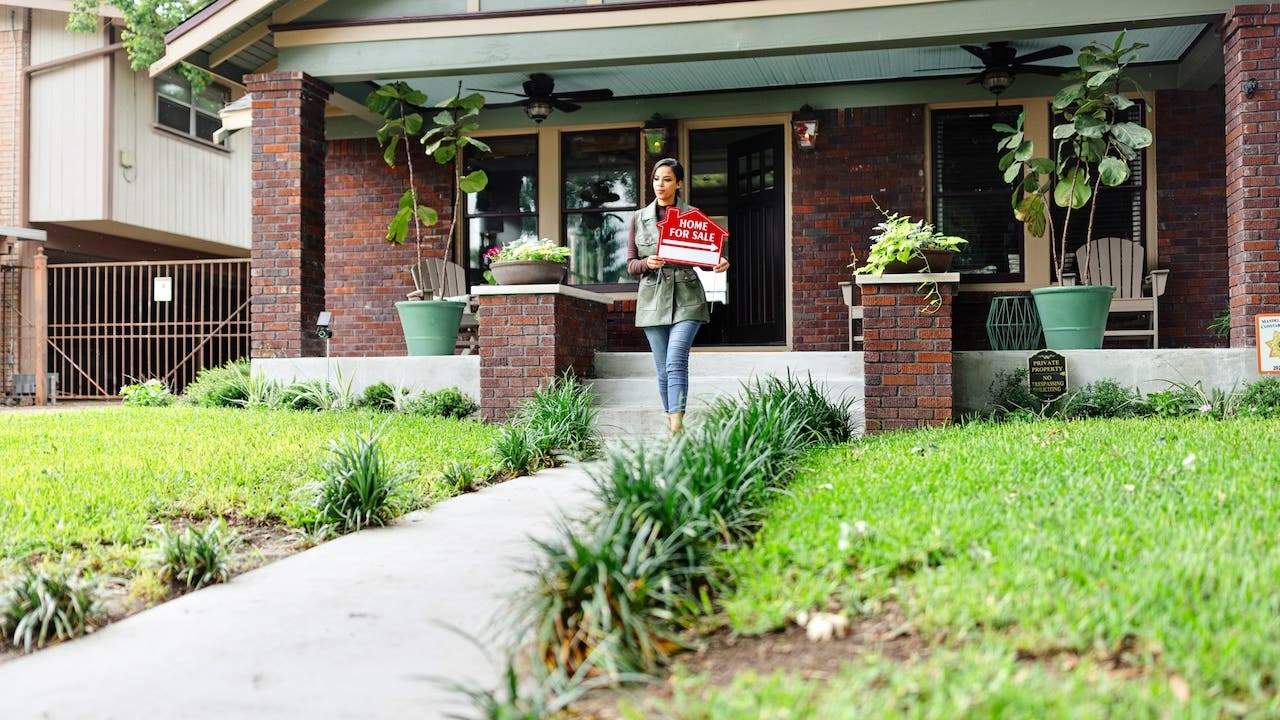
x,y
287,286
14,50
906,352
1251,51
531,333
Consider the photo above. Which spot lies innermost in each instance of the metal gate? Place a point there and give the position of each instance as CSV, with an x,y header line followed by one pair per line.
x,y
10,322
112,324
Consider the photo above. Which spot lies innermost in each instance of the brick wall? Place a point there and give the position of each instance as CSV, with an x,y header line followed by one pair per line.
x,y
1191,214
907,355
287,284
864,155
1251,51
13,57
365,274
526,340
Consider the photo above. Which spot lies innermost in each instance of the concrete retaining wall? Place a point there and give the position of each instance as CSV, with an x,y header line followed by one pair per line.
x,y
1147,370
420,374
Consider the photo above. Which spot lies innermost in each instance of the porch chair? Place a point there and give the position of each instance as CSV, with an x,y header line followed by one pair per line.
x,y
1118,262
450,280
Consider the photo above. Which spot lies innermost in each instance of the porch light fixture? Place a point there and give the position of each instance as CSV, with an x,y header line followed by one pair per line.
x,y
655,136
996,80
804,125
537,109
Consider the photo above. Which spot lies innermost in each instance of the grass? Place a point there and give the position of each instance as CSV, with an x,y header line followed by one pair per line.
x,y
89,486
1116,568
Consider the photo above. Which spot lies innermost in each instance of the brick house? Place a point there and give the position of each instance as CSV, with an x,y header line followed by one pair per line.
x,y
904,121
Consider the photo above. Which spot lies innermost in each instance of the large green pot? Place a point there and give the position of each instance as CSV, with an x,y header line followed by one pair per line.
x,y
430,326
1074,317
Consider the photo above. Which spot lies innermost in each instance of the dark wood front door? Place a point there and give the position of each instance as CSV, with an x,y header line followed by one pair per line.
x,y
756,310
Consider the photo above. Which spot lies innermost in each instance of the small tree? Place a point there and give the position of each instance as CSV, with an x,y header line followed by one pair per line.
x,y
399,105
1094,146
146,22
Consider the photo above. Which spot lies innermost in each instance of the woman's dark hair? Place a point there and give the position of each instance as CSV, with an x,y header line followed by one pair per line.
x,y
676,168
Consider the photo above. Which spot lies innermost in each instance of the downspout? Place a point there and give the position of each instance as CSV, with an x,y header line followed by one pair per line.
x,y
37,299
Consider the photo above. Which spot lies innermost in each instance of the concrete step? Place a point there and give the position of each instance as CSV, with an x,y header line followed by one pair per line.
x,y
736,364
643,393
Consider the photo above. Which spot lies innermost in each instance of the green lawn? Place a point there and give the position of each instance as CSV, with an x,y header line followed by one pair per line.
x,y
1110,568
90,485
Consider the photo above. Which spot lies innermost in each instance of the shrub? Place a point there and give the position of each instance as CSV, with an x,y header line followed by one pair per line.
x,y
1104,398
150,393
47,603
379,396
360,487
462,477
194,558
1010,393
1261,398
225,386
446,402
516,451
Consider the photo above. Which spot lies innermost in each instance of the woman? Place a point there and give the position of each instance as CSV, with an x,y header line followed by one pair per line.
x,y
672,304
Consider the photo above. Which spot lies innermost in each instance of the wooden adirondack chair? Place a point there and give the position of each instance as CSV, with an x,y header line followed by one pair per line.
x,y
442,279
1119,262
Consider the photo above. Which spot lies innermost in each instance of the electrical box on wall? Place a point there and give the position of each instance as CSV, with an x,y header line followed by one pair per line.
x,y
126,158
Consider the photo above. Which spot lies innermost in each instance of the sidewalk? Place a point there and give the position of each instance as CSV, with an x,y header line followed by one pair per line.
x,y
355,628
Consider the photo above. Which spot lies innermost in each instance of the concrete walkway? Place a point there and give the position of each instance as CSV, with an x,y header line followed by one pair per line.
x,y
356,628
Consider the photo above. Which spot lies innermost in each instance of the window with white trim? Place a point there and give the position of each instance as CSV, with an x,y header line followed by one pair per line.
x,y
195,114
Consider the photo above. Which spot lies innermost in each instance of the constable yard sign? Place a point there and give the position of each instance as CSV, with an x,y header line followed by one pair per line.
x,y
690,238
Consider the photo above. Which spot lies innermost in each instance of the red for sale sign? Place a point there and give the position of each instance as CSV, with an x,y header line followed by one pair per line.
x,y
690,238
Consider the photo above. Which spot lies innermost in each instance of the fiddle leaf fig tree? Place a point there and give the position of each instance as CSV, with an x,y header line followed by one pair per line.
x,y
400,106
1095,144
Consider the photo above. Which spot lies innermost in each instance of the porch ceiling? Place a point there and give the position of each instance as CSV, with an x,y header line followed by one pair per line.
x,y
633,51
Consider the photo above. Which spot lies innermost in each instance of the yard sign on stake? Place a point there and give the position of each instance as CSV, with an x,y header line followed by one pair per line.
x,y
1268,342
690,238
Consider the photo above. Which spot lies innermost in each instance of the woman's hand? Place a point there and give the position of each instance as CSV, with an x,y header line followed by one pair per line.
x,y
722,265
655,262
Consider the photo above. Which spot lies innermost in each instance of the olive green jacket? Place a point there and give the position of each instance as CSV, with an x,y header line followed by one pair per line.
x,y
669,294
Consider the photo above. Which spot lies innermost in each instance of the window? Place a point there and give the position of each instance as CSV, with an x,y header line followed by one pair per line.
x,y
506,210
600,191
178,108
970,196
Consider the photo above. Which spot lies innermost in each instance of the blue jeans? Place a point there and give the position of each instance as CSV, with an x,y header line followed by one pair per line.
x,y
670,345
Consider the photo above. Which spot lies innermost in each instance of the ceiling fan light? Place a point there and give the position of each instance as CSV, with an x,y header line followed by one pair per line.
x,y
996,80
537,110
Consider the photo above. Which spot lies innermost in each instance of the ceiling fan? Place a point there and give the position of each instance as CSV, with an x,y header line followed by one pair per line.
x,y
542,98
1001,64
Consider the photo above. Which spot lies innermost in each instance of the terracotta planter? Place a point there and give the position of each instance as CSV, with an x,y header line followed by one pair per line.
x,y
938,261
528,272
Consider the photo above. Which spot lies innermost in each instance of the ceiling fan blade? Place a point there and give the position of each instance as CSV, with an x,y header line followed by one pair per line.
x,y
1053,52
951,67
500,92
564,106
1040,70
597,94
978,52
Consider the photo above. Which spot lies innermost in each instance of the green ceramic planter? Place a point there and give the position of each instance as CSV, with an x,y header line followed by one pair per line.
x,y
430,326
1073,317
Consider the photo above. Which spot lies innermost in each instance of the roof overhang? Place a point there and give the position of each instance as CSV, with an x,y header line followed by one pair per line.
x,y
24,233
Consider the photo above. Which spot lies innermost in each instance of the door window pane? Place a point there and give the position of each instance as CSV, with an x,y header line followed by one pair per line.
x,y
600,191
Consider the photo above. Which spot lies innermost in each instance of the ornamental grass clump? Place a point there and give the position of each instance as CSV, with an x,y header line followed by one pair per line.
x,y
48,603
619,594
193,557
225,386
557,422
361,486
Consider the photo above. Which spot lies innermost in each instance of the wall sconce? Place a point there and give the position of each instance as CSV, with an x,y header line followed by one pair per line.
x,y
655,135
804,125
1250,87
537,109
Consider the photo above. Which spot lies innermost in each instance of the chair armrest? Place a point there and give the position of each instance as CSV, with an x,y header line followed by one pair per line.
x,y
1157,280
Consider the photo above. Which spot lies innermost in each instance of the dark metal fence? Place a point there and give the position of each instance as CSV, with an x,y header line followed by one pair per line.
x,y
111,324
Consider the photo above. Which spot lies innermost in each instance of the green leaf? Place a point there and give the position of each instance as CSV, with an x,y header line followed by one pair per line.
x,y
445,153
1031,211
479,145
444,118
474,101
413,123
1012,172
1067,95
428,215
1005,161
1089,126
1063,131
407,200
473,182
1025,150
1073,189
1131,134
399,227
1004,128
415,97
1043,166
389,154
1121,102
1102,77
1113,171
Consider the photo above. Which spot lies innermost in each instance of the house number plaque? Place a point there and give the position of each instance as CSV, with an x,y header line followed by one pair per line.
x,y
1047,374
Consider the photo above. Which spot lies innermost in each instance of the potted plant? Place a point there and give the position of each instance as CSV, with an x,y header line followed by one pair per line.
x,y
902,246
430,324
527,262
1095,144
